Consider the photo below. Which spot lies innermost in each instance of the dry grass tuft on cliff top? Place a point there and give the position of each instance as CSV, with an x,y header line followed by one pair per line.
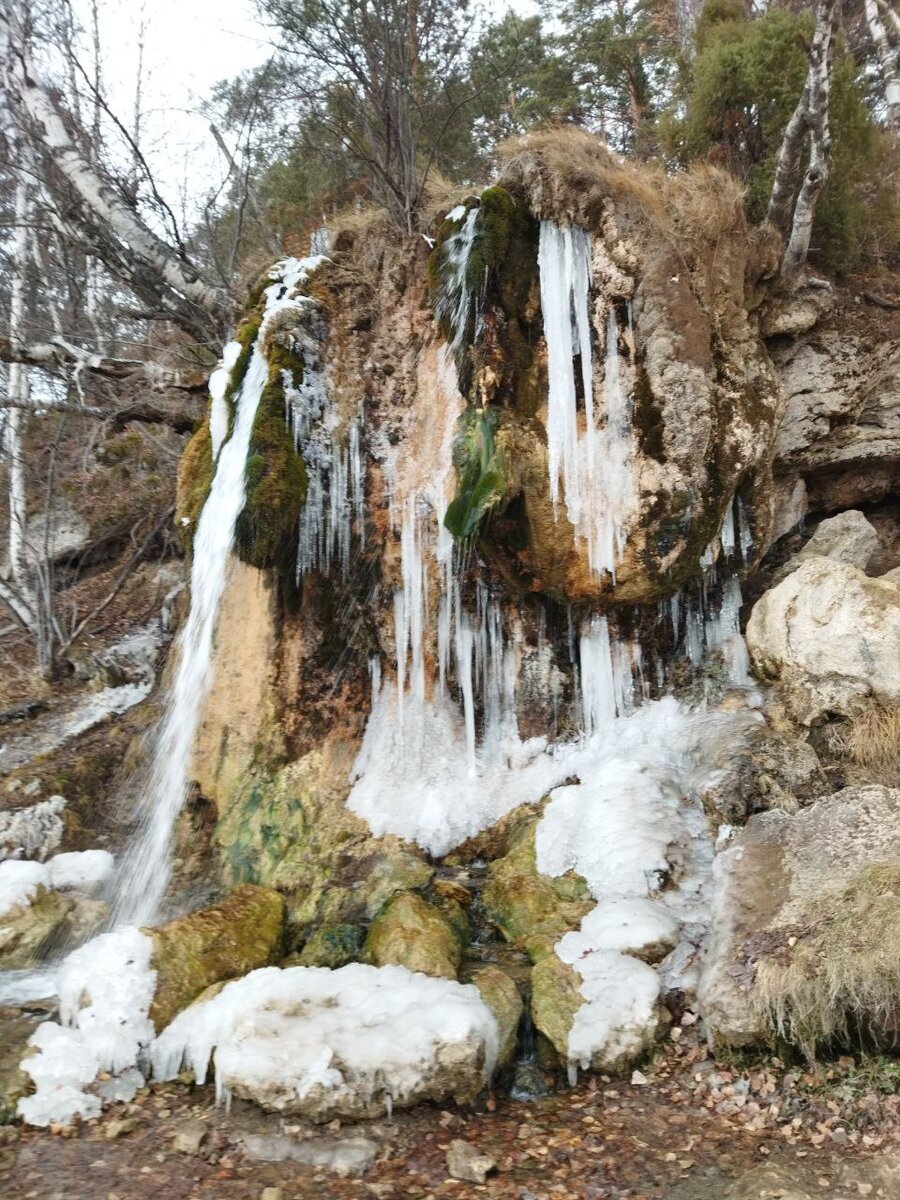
x,y
837,979
569,173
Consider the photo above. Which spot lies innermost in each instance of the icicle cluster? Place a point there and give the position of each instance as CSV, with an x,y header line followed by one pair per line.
x,y
590,454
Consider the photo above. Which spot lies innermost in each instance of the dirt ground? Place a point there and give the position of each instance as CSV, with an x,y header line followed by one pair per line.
x,y
684,1130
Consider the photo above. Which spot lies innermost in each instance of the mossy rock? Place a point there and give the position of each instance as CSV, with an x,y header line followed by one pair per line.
x,y
223,941
480,473
502,997
417,935
275,476
555,999
16,1028
28,927
523,903
293,831
332,946
195,472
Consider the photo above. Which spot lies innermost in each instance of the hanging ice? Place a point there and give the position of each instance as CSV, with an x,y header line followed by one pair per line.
x,y
590,458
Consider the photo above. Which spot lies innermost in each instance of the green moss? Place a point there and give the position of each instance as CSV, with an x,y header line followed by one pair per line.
x,y
275,478
479,473
195,472
332,946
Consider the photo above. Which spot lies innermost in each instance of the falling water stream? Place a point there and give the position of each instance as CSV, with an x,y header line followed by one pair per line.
x,y
144,877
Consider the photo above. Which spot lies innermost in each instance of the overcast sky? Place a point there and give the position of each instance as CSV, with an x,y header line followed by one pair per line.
x,y
189,45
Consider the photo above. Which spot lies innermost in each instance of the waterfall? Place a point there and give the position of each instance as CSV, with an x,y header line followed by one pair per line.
x,y
145,875
593,459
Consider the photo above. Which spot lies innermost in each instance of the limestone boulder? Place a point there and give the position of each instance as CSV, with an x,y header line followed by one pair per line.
x,y
28,926
847,537
770,769
415,934
223,941
555,999
830,636
802,911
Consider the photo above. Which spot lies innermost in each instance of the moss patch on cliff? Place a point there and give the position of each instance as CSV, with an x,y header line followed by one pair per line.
x,y
275,477
479,473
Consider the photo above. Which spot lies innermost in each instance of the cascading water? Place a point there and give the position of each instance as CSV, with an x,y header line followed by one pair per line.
x,y
145,875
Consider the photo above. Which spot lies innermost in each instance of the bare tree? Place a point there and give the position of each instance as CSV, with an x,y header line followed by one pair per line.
x,y
808,124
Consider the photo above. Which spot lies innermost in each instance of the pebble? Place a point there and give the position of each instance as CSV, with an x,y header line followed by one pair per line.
x,y
271,1193
118,1127
190,1137
466,1162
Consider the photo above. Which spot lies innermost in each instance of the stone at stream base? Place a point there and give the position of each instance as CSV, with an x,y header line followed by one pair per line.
x,y
502,997
25,928
189,1137
331,946
343,1155
226,940
16,1028
417,935
876,1177
555,999
830,636
523,903
802,913
467,1163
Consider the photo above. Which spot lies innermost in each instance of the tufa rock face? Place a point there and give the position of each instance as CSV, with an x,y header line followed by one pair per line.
x,y
830,636
706,400
417,935
793,896
221,942
555,999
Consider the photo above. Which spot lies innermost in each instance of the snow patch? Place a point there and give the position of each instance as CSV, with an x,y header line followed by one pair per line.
x,y
81,870
32,832
19,883
105,990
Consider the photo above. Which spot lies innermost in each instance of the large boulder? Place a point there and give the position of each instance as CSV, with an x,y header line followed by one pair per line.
x,y
830,636
502,997
223,941
803,914
847,537
348,1043
32,911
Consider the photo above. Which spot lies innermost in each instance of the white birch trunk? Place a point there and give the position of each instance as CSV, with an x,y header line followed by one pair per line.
x,y
887,62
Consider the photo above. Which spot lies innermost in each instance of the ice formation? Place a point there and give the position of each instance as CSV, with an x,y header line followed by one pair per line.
x,y
32,832
635,830
80,870
590,455
105,990
19,883
146,871
336,1039
218,408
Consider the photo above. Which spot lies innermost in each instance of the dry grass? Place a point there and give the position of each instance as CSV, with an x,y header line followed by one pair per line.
x,y
873,741
585,165
703,203
840,979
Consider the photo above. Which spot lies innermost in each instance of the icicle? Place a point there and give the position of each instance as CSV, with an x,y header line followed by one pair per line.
x,y
596,468
745,531
726,533
598,683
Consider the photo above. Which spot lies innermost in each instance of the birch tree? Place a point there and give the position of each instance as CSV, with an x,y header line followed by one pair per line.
x,y
792,209
888,55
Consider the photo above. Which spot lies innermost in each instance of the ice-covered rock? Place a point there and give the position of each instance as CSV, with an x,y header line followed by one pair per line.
x,y
345,1043
32,832
830,636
